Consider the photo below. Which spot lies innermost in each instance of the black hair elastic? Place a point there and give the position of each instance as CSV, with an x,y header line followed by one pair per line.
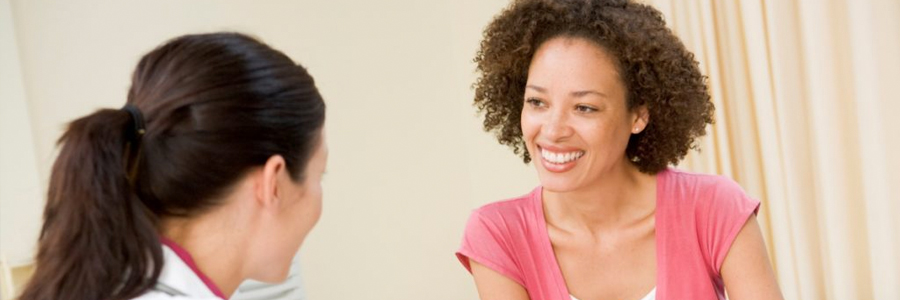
x,y
137,120
133,145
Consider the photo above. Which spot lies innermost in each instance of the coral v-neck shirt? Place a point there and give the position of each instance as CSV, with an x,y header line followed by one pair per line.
x,y
697,216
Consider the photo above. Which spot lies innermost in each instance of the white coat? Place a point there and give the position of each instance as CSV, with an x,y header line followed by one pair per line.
x,y
177,281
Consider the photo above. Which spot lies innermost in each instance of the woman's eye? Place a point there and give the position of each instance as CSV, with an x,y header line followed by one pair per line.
x,y
535,102
585,108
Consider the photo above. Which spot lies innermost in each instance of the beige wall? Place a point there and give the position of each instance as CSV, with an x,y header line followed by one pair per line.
x,y
20,189
408,158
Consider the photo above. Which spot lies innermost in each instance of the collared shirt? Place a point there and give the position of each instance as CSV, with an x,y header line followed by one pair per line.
x,y
180,278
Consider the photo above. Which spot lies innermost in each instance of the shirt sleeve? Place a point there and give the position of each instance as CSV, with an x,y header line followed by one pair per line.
x,y
488,242
721,217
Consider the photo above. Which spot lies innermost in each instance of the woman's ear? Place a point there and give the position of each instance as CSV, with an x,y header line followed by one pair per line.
x,y
641,119
269,188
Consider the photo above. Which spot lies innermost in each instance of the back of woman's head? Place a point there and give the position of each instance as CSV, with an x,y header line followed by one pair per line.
x,y
202,111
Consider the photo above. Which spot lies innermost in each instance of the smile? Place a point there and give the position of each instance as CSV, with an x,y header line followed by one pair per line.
x,y
560,157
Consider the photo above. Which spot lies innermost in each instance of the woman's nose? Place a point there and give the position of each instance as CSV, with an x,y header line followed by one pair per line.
x,y
556,125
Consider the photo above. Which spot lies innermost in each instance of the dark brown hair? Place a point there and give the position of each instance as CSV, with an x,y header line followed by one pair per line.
x,y
653,63
215,106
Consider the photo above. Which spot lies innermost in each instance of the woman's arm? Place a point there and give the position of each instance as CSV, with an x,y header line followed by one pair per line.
x,y
494,286
746,271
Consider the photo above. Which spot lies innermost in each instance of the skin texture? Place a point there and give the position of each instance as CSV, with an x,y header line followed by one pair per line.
x,y
747,271
600,209
259,228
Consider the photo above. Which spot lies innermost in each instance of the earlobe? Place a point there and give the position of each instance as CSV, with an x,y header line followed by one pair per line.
x,y
643,118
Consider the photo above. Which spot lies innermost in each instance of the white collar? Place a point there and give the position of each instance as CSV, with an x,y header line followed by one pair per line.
x,y
178,279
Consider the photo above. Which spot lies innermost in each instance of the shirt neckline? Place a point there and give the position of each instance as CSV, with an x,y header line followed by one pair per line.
x,y
537,199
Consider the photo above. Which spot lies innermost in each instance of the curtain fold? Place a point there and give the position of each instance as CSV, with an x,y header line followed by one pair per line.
x,y
804,94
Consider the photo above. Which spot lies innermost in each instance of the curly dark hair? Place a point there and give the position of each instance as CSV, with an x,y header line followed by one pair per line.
x,y
654,65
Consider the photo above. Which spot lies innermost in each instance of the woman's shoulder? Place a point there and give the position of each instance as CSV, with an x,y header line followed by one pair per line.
x,y
509,219
710,208
499,234
511,208
704,195
700,185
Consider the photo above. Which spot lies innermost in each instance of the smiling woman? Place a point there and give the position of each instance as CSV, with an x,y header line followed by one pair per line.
x,y
605,97
575,102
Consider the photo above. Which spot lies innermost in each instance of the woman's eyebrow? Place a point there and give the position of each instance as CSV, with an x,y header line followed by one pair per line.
x,y
536,88
578,94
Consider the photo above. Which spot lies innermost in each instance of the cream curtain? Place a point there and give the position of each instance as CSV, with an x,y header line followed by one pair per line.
x,y
805,92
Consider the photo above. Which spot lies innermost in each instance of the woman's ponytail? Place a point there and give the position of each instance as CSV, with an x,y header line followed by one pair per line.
x,y
98,240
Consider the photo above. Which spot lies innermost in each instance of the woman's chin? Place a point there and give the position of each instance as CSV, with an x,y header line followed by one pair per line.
x,y
557,183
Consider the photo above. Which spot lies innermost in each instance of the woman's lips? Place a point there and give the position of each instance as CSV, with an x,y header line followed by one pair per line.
x,y
559,159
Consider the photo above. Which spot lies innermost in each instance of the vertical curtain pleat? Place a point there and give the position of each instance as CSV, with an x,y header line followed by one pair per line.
x,y
805,93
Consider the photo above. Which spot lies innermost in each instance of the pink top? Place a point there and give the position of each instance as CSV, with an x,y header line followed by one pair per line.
x,y
697,218
189,261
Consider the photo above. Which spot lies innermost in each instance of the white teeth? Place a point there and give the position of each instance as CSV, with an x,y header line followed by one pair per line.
x,y
561,158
